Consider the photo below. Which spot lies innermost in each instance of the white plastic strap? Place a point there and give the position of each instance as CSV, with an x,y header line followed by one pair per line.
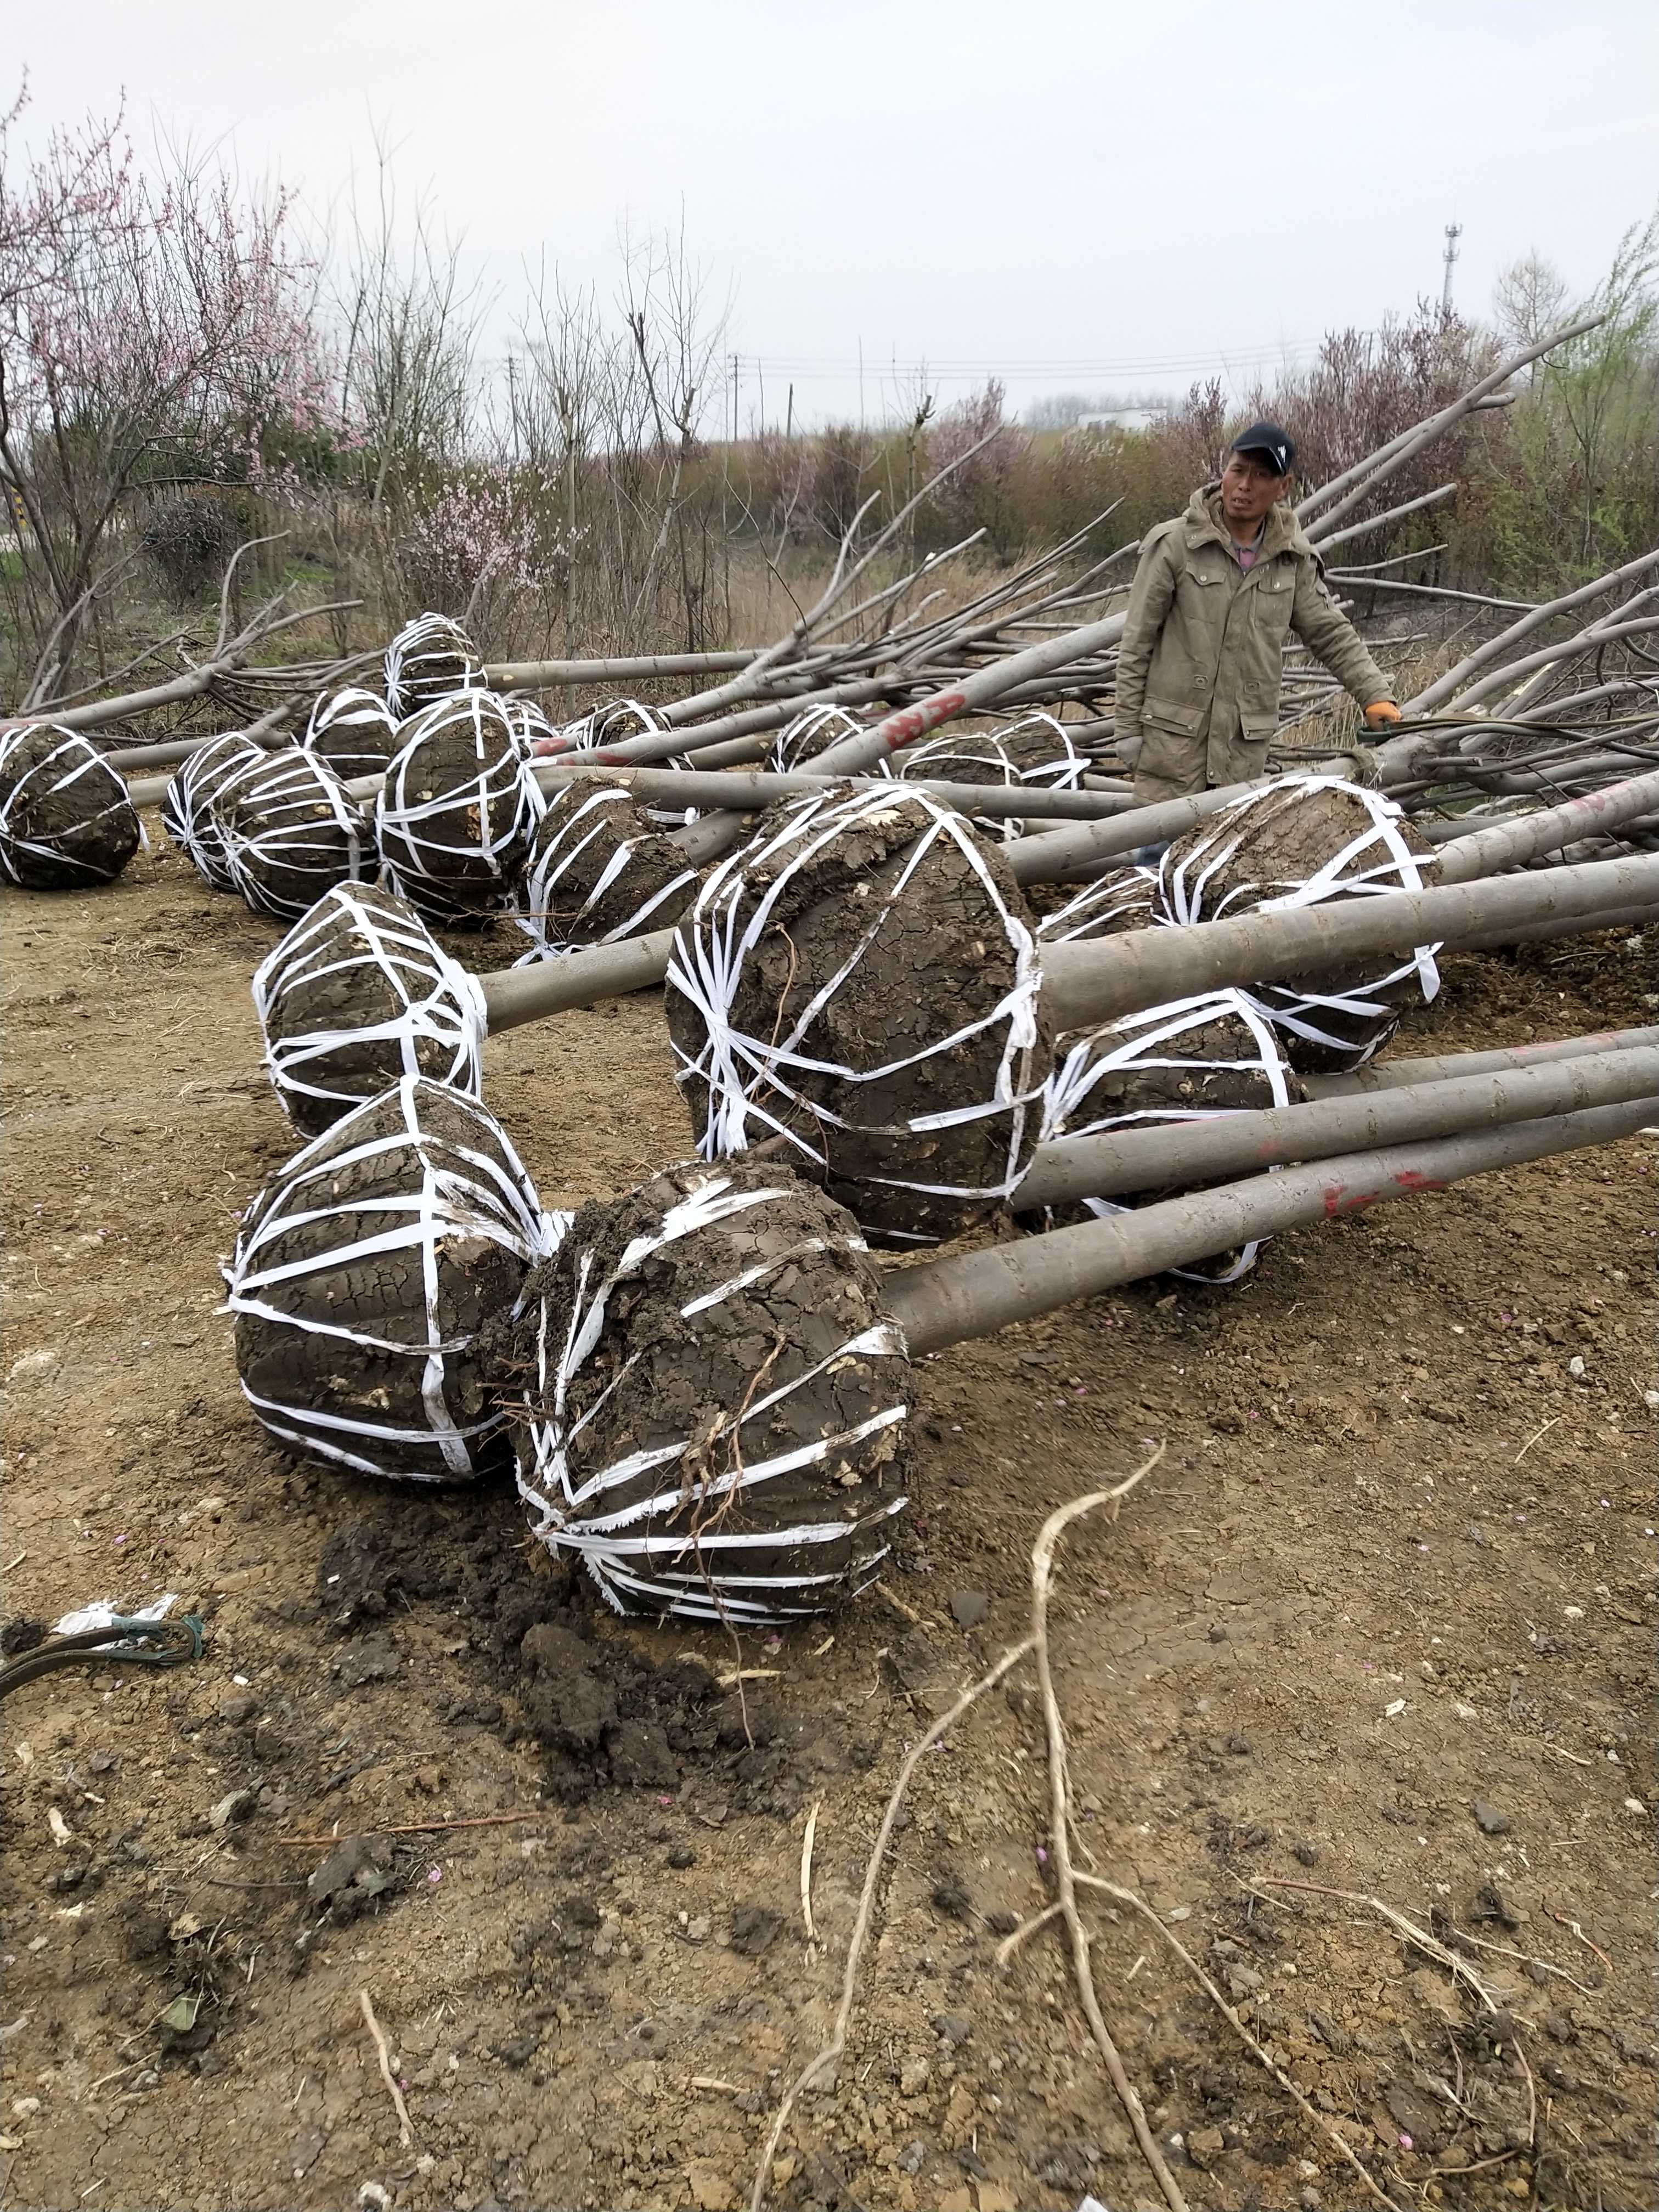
x,y
439,1001
501,798
577,835
452,1190
813,731
70,761
1125,891
430,643
743,1073
188,810
690,1575
1153,1039
289,811
1376,859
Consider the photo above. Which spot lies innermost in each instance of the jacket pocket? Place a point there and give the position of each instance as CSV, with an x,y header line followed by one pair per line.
x,y
1275,597
1172,714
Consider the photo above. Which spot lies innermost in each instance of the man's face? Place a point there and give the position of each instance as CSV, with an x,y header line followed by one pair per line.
x,y
1248,489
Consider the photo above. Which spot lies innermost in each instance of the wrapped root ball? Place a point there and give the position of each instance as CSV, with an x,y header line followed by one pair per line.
x,y
290,833
363,1274
429,659
862,977
1126,899
1186,1061
355,997
614,723
710,1401
352,732
65,818
813,732
1035,750
190,810
530,727
1296,842
600,871
459,811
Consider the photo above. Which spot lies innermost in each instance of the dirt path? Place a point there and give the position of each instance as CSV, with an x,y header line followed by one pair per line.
x,y
1382,1621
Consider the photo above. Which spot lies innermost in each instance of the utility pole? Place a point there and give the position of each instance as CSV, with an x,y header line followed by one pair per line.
x,y
1454,232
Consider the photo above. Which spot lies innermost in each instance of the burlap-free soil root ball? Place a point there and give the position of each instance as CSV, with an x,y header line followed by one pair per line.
x,y
862,976
1189,1061
618,720
1113,904
813,732
357,996
528,723
362,1275
708,1401
190,809
457,812
1038,750
601,871
1298,843
66,821
352,732
290,834
430,658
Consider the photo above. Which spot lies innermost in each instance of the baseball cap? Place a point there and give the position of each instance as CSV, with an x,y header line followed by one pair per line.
x,y
1276,447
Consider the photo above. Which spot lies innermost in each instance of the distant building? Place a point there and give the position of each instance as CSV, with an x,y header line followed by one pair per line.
x,y
1122,418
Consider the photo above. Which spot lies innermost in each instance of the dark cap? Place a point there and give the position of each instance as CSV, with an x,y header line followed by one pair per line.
x,y
1276,447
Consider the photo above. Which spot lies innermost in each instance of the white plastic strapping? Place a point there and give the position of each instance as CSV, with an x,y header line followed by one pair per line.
x,y
289,833
745,1075
435,1190
429,659
189,811
1154,1039
639,1560
490,812
813,731
352,732
71,760
440,1004
1122,900
1054,763
1376,859
544,911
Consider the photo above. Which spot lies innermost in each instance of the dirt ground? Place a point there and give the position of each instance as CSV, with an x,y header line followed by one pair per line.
x,y
1380,1623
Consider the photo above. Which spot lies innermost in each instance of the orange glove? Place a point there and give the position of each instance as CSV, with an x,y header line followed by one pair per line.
x,y
1380,713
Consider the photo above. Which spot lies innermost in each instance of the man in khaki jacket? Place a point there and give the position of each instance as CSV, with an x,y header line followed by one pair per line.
x,y
1217,592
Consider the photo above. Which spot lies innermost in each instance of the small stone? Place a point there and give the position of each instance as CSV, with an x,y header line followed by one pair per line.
x,y
1489,1820
26,2107
239,1805
970,1607
913,2157
373,2194
697,1931
952,2025
682,1856
1204,2146
1575,1367
952,1899
237,1707
1307,1853
913,2077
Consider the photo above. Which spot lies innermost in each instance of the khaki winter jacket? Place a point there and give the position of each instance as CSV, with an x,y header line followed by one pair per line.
x,y
1199,664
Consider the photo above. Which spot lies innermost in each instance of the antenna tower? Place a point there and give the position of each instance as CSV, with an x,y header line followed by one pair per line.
x,y
1454,232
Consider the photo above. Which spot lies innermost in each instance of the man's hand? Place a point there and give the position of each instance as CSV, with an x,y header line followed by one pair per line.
x,y
1128,749
1380,713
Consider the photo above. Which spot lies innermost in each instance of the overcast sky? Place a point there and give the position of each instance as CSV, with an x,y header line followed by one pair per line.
x,y
1074,197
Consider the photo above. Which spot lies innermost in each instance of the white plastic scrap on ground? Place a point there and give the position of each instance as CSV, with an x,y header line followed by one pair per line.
x,y
106,1613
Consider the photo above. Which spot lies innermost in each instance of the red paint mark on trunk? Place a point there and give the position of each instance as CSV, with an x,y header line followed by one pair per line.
x,y
912,722
1339,1202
